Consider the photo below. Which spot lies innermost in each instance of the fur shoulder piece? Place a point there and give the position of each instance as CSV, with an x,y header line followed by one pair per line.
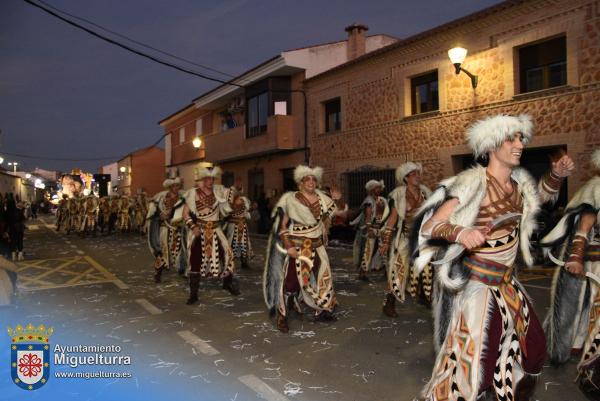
x,y
531,206
596,158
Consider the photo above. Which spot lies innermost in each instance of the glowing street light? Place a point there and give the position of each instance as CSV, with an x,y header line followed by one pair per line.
x,y
122,169
197,142
14,164
28,176
457,57
1,159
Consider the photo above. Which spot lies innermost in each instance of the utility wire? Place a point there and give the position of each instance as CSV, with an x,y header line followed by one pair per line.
x,y
133,40
128,48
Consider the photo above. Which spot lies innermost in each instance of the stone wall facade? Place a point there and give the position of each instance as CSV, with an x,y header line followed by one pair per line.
x,y
378,128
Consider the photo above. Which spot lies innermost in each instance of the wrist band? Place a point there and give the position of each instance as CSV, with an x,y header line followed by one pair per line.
x,y
447,231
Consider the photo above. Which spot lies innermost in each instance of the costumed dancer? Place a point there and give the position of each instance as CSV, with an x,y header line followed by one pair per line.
x,y
115,204
74,214
487,334
90,213
103,213
237,231
62,213
124,213
297,266
573,322
373,212
404,202
140,212
210,255
165,240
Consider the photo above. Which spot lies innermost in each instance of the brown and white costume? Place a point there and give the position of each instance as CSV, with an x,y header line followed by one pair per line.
x,y
124,214
308,279
237,228
486,332
405,205
90,214
373,212
209,253
165,239
573,322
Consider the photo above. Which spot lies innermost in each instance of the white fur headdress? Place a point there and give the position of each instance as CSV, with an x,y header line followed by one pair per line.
x,y
304,171
171,181
372,184
203,172
488,134
596,158
407,168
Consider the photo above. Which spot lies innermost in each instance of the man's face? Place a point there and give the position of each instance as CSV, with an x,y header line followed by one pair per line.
x,y
175,188
308,184
414,178
376,191
509,153
208,182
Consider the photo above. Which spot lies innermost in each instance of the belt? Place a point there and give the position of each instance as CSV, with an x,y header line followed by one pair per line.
x,y
303,242
486,271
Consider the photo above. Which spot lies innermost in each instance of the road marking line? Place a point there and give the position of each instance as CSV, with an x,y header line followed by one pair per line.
x,y
73,246
144,303
198,343
80,252
121,285
33,227
262,389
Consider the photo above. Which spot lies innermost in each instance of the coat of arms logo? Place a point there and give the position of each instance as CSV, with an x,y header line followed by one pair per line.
x,y
30,355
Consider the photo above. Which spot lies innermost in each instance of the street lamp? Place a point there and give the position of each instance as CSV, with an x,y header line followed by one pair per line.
x,y
197,142
1,159
122,169
457,56
28,176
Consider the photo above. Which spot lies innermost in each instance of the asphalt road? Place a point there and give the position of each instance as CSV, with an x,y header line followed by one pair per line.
x,y
100,290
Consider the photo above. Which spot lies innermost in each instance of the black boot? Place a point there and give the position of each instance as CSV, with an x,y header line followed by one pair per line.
x,y
389,306
589,382
158,274
245,264
362,276
325,316
525,388
194,286
230,285
282,324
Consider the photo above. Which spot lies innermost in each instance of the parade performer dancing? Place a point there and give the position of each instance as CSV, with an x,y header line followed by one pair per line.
x,y
297,266
486,331
62,214
124,204
404,201
573,322
237,228
103,213
373,212
209,252
165,240
90,213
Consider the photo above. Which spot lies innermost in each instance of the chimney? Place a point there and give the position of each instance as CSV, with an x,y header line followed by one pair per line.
x,y
356,40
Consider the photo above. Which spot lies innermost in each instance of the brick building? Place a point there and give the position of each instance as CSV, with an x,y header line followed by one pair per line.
x,y
141,171
254,128
405,102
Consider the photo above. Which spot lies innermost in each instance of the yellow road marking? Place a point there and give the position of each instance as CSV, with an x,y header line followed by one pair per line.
x,y
43,274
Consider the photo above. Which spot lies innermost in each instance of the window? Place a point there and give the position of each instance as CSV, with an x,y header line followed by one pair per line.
x,y
288,180
199,127
543,65
181,135
333,115
227,179
424,93
258,113
256,184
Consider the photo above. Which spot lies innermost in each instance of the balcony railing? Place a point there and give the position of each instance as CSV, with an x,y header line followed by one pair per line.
x,y
281,134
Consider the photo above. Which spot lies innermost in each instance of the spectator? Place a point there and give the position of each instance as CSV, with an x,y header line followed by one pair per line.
x,y
15,216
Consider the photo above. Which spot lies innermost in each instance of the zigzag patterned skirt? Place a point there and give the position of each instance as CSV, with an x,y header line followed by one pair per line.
x,y
210,253
493,340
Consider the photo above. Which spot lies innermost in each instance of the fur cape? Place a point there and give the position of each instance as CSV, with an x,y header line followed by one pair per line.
x,y
153,219
469,187
275,259
570,294
360,239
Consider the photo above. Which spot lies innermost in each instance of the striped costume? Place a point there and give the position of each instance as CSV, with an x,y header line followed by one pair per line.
x,y
237,229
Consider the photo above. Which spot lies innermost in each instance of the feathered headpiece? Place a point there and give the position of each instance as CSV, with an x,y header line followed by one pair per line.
x,y
372,184
304,171
203,172
488,134
169,182
407,168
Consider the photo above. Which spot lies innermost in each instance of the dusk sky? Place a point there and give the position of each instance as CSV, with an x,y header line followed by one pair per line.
x,y
67,94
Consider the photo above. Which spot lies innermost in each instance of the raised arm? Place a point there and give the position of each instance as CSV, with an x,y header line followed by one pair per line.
x,y
578,246
550,183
